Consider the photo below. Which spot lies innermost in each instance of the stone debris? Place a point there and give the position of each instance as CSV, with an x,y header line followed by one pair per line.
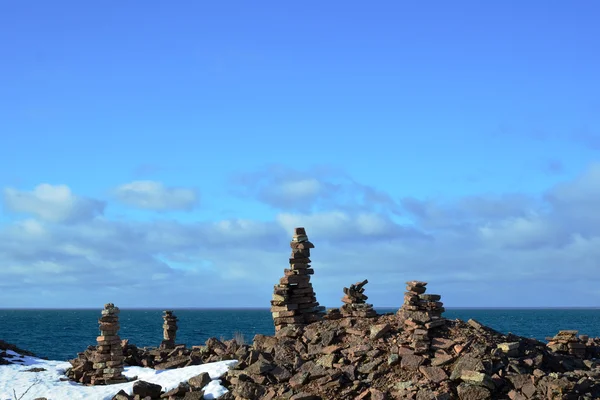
x,y
420,314
294,301
355,304
567,342
169,330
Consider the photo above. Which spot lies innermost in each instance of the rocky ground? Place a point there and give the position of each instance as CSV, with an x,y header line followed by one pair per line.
x,y
372,358
6,358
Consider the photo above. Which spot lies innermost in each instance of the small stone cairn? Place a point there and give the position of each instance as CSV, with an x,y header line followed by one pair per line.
x,y
108,360
294,301
169,330
567,342
355,302
421,313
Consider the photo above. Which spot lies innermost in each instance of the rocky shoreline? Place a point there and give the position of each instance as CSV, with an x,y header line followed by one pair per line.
x,y
374,358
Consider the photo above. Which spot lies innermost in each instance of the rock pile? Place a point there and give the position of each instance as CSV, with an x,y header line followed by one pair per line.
x,y
101,364
169,330
294,301
108,360
355,304
567,342
365,358
421,313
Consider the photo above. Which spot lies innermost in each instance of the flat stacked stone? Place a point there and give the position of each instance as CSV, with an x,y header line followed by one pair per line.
x,y
567,342
421,313
108,358
294,300
355,304
169,330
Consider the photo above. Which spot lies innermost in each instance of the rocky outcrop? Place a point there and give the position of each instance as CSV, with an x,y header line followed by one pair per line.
x,y
7,358
294,301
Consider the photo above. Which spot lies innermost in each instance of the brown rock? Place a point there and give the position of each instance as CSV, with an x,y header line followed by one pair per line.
x,y
472,392
434,374
411,361
466,362
199,381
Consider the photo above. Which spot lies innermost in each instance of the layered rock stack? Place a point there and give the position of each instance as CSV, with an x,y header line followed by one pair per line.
x,y
421,313
294,302
108,358
355,304
567,342
169,330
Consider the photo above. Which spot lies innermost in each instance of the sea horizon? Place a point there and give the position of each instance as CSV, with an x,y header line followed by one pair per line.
x,y
268,308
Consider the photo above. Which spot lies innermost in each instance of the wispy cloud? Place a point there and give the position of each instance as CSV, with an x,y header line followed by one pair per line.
x,y
153,195
54,203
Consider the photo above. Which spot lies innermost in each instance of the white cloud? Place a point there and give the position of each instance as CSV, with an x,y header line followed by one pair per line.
x,y
474,251
153,195
55,203
316,188
303,188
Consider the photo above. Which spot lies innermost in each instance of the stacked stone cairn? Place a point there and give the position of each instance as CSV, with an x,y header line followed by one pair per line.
x,y
567,342
355,302
108,359
169,330
421,313
294,302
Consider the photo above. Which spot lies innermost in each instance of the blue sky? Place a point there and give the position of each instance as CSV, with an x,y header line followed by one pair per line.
x,y
159,155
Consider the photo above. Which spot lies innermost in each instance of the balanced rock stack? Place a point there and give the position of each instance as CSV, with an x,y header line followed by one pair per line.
x,y
567,342
355,302
294,302
108,359
421,312
169,330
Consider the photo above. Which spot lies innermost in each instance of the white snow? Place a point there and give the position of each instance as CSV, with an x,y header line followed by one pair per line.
x,y
48,384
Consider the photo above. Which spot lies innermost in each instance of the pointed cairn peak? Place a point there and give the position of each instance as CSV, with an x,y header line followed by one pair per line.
x,y
294,301
355,293
110,309
355,302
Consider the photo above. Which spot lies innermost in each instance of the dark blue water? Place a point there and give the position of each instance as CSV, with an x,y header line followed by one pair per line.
x,y
61,334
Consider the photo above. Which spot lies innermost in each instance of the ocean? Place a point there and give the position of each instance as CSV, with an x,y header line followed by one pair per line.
x,y
61,334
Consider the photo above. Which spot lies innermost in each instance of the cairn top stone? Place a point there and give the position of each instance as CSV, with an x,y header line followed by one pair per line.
x,y
300,235
416,283
110,309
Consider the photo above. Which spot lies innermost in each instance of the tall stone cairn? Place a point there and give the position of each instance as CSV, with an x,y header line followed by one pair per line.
x,y
421,313
294,301
355,304
169,330
108,360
